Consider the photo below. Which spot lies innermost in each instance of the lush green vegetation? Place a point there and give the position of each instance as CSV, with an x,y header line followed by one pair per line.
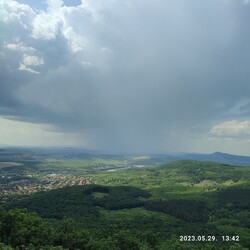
x,y
142,208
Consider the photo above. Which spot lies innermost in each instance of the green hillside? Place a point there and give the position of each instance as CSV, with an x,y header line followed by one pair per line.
x,y
148,208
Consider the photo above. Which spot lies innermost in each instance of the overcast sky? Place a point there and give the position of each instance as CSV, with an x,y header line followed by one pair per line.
x,y
126,76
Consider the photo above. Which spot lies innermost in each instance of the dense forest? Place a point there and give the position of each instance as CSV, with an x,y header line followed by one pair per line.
x,y
152,208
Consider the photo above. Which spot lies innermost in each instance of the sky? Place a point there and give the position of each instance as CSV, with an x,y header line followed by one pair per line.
x,y
126,76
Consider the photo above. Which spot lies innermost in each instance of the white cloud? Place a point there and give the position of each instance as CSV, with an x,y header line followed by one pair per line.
x,y
13,46
76,42
30,61
12,11
46,26
232,128
19,47
23,67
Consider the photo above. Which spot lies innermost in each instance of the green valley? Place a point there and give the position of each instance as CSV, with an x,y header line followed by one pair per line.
x,y
120,202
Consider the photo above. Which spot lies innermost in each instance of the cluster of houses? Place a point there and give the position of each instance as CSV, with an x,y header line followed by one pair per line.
x,y
47,182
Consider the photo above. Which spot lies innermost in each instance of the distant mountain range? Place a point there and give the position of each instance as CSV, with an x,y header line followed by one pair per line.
x,y
7,153
214,157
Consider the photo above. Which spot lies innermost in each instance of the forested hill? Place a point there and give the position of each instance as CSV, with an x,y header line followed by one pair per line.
x,y
144,208
224,158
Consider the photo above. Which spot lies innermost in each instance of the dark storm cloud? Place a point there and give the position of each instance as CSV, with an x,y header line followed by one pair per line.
x,y
131,75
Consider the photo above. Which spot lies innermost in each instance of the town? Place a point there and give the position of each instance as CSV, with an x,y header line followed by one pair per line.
x,y
28,184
